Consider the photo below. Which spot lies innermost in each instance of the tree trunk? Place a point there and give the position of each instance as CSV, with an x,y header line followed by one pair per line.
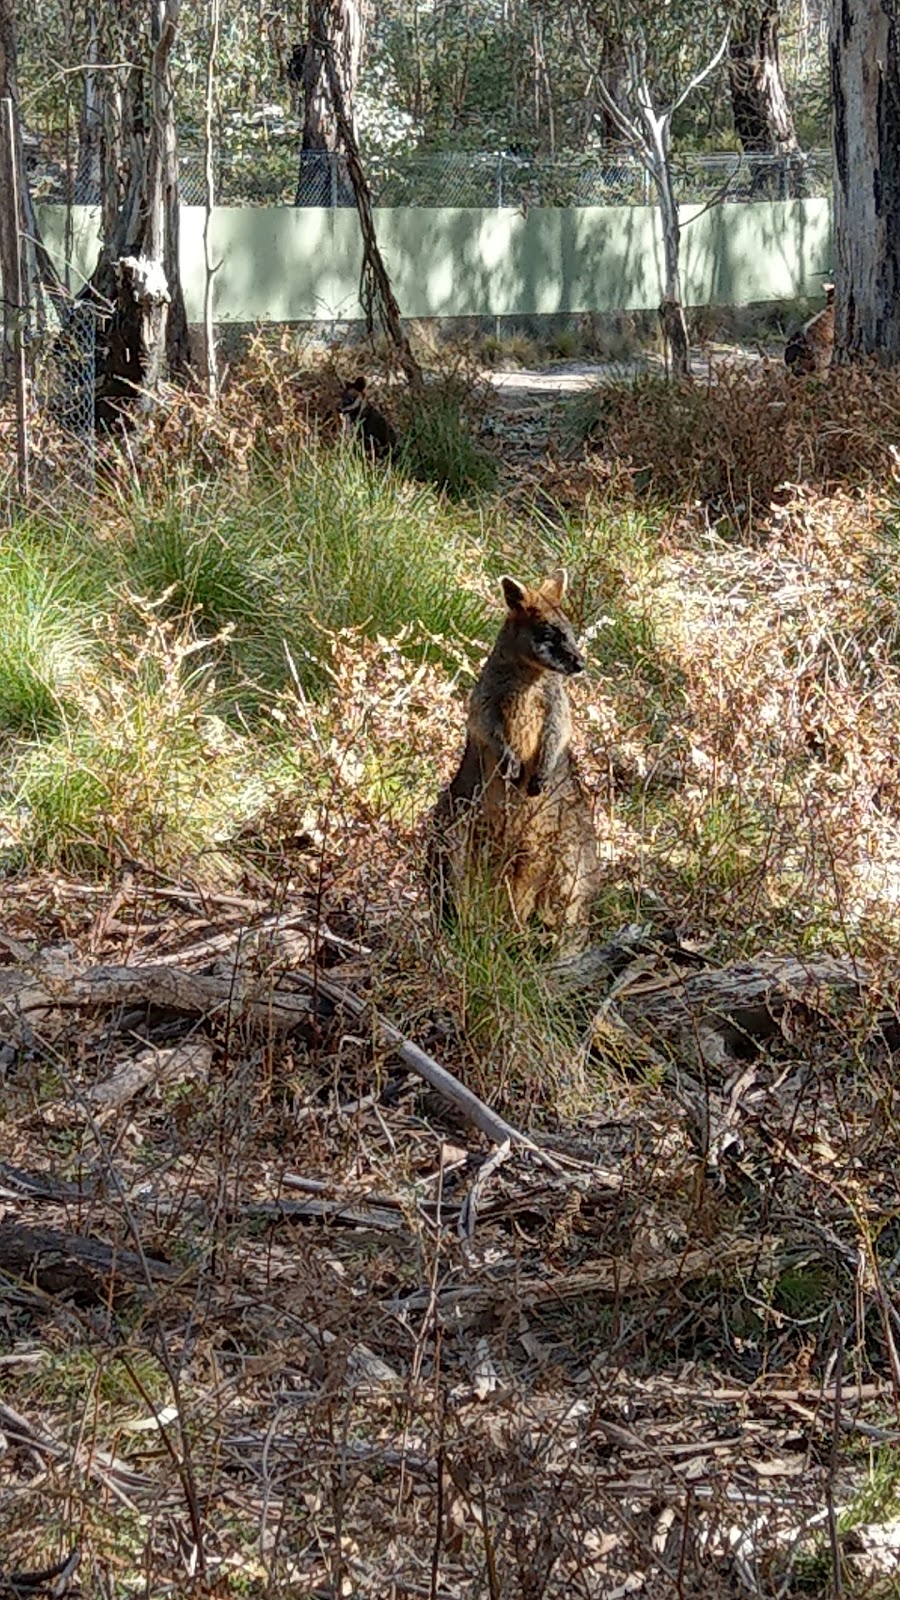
x,y
160,241
542,86
335,26
90,125
671,312
21,246
138,272
762,116
865,81
11,216
376,291
657,157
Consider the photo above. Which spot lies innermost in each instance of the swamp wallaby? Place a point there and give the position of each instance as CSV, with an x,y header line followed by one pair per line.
x,y
809,349
516,805
378,437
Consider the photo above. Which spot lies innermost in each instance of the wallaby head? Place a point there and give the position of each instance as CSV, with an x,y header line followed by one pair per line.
x,y
352,400
536,629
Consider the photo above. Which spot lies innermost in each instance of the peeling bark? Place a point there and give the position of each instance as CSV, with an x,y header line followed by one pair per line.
x,y
145,336
865,79
762,116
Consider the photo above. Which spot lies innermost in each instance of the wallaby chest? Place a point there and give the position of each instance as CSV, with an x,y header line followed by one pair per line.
x,y
530,712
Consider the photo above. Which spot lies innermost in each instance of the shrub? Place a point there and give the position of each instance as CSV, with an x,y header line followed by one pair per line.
x,y
733,442
438,443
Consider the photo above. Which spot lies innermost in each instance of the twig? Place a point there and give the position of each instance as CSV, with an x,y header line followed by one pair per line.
x,y
468,1215
469,1104
833,1465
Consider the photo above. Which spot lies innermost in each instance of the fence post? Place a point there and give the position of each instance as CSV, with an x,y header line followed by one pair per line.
x,y
10,225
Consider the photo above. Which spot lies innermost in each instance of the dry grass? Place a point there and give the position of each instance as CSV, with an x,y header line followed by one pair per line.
x,y
377,1367
734,443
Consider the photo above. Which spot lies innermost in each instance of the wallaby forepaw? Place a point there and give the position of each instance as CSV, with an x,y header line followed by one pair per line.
x,y
510,767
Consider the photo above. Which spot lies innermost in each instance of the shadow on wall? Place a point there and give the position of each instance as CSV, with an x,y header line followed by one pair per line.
x,y
287,265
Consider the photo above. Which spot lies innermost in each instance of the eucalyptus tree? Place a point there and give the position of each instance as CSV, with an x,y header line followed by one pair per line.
x,y
763,119
660,59
865,82
137,283
333,38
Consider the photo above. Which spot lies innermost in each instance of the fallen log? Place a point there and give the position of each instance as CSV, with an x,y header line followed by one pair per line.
x,y
190,1059
717,1016
68,1264
724,1016
25,993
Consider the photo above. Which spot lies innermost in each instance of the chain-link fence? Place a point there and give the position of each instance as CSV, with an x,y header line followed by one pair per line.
x,y
61,359
486,178
270,175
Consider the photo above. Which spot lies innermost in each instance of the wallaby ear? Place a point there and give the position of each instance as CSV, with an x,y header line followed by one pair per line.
x,y
514,593
554,587
358,383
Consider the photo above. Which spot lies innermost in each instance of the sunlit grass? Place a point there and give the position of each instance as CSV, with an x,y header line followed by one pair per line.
x,y
46,590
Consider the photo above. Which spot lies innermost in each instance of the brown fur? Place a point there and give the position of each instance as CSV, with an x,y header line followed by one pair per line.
x,y
809,350
516,805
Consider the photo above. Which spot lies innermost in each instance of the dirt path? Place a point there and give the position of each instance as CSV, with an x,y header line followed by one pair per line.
x,y
536,402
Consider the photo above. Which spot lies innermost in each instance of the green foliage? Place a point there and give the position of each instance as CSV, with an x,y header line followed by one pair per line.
x,y
509,1016
326,542
144,763
439,445
195,547
211,598
44,639
364,548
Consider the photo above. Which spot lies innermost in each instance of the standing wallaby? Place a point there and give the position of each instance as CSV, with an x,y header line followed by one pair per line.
x,y
809,349
378,437
516,803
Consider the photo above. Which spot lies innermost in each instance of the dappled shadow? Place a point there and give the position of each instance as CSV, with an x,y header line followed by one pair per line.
x,y
288,265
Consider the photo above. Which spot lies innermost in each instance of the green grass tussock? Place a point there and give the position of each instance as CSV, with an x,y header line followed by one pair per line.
x,y
45,639
131,739
326,542
144,764
439,444
364,548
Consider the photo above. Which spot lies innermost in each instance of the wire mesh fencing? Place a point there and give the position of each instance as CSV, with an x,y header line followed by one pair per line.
x,y
62,366
495,179
274,174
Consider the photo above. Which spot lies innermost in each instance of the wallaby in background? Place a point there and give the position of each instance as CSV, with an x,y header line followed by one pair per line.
x,y
809,349
378,437
516,805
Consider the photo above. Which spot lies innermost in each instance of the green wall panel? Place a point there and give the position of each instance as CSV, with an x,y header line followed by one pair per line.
x,y
302,265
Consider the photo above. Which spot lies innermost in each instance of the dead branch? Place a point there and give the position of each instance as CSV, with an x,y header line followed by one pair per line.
x,y
190,1059
113,1474
720,1016
153,985
471,1107
608,1278
67,1264
376,285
